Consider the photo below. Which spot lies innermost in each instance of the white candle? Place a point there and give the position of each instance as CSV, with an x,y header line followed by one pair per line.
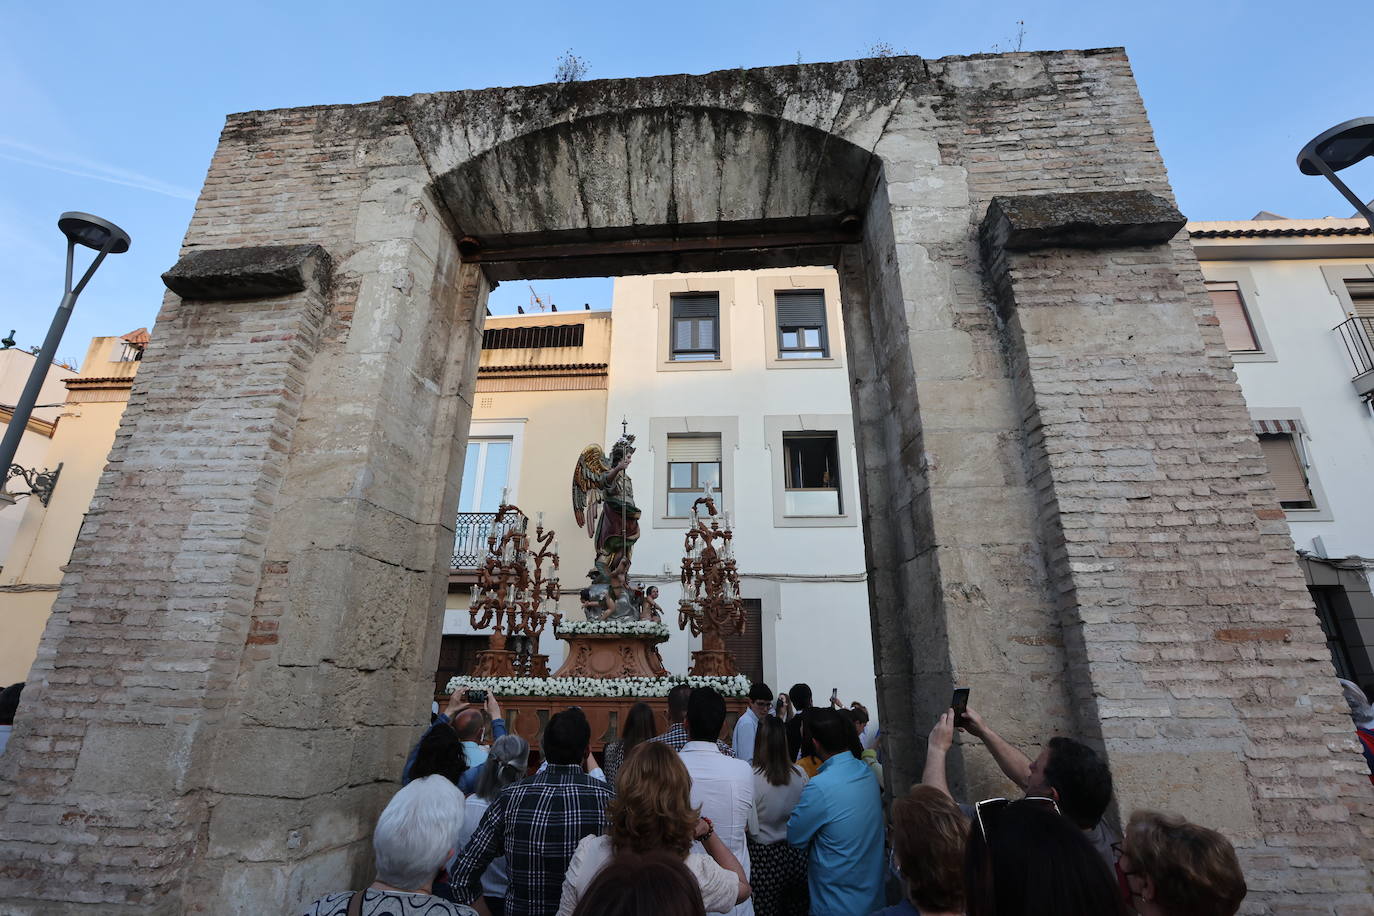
x,y
505,492
540,519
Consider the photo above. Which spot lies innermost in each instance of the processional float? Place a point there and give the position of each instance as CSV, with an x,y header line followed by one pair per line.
x,y
613,653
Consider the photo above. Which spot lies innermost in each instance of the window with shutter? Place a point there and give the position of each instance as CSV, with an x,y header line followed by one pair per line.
x,y
1286,470
1361,297
695,324
693,465
801,324
747,647
1236,328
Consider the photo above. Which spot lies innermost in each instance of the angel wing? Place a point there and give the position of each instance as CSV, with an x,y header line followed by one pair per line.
x,y
587,495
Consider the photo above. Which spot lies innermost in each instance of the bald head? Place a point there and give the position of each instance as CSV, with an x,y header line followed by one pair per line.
x,y
468,724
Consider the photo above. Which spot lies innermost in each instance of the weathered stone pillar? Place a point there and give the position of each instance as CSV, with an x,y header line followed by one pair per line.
x,y
1194,653
245,643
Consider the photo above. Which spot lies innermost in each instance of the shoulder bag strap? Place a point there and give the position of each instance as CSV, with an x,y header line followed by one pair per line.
x,y
355,906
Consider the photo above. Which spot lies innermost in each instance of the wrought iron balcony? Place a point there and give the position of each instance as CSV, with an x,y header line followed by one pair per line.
x,y
1357,333
470,538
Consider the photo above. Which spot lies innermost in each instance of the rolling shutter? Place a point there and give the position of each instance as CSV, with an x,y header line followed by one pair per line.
x,y
803,308
693,448
1235,323
1286,469
1361,297
696,305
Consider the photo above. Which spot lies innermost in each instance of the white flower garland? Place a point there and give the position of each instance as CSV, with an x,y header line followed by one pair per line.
x,y
736,686
568,628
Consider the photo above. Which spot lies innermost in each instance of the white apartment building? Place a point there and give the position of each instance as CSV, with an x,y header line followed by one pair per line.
x,y
1295,299
733,380
739,380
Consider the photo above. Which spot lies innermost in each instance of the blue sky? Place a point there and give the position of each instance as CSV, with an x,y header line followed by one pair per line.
x,y
116,109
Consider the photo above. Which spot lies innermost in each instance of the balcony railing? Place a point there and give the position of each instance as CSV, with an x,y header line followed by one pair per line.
x,y
1357,334
470,538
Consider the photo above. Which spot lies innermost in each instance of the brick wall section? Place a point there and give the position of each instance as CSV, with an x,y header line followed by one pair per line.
x,y
1193,642
137,662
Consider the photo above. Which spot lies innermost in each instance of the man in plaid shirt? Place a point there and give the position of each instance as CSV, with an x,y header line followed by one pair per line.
x,y
537,823
676,735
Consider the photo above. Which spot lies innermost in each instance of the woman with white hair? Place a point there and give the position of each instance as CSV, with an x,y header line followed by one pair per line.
x,y
415,837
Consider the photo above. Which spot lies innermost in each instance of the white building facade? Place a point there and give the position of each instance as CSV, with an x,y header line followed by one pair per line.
x,y
739,381
1295,299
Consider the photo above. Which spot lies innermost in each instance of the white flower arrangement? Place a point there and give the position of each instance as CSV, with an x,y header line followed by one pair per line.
x,y
737,686
659,631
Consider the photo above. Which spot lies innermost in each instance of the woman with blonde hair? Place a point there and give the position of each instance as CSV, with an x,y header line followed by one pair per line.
x,y
652,812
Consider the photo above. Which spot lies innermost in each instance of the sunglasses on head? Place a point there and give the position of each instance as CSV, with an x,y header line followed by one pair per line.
x,y
989,809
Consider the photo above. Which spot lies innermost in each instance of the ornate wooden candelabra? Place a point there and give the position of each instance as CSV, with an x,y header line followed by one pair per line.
x,y
513,596
710,605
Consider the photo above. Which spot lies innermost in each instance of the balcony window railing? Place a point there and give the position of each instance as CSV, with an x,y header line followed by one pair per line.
x,y
470,538
1357,333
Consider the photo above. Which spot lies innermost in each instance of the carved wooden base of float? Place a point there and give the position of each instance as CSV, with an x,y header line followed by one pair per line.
x,y
713,663
505,663
610,656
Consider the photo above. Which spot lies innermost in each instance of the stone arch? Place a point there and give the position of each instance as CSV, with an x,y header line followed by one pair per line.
x,y
658,172
237,661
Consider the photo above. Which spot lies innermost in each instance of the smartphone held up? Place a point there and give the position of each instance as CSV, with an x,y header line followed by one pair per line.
x,y
959,704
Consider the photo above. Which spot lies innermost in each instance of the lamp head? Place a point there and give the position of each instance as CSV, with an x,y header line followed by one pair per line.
x,y
1340,147
94,232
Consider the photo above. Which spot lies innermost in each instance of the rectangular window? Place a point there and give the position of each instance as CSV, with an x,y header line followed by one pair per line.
x,y
1286,469
1361,297
811,464
695,326
747,647
486,472
693,465
1236,327
801,324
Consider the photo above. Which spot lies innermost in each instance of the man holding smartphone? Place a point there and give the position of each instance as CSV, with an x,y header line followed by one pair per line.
x,y
1066,770
465,718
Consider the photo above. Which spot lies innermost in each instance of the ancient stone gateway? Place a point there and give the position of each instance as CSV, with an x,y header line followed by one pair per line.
x,y
1064,504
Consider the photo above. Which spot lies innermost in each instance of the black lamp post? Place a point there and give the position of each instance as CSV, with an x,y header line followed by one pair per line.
x,y
105,238
1338,148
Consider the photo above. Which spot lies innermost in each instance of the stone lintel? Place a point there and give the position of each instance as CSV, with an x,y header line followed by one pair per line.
x,y
256,272
1080,219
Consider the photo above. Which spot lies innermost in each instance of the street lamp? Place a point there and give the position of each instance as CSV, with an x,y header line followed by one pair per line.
x,y
105,238
1341,147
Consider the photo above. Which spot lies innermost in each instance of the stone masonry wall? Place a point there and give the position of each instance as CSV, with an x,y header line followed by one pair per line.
x,y
1195,655
249,623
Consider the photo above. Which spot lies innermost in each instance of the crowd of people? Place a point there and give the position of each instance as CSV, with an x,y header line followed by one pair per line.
x,y
789,818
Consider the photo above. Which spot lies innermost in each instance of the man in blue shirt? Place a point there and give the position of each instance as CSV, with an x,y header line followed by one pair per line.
x,y
839,821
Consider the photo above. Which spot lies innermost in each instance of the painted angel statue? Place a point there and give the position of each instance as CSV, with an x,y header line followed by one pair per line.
x,y
603,500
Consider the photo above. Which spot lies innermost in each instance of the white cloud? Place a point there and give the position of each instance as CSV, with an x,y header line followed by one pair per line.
x,y
26,154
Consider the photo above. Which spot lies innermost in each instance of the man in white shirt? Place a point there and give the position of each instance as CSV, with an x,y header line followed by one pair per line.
x,y
760,698
723,787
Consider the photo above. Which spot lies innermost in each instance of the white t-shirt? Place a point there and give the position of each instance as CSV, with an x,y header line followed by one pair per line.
x,y
719,886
